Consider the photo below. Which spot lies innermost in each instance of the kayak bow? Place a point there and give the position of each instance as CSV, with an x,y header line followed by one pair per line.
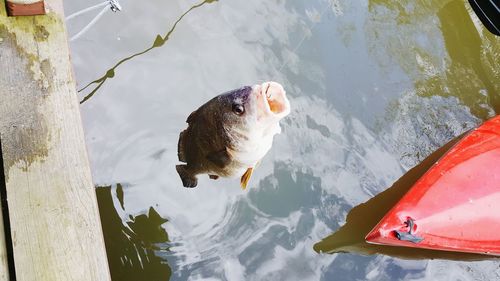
x,y
453,207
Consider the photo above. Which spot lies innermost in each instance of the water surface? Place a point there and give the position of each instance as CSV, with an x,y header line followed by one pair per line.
x,y
375,87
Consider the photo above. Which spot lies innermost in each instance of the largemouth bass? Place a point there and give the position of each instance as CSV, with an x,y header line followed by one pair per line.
x,y
231,133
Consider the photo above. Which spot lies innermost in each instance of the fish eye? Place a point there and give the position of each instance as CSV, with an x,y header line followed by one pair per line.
x,y
238,109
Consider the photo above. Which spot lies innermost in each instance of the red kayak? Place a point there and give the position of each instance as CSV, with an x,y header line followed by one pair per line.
x,y
455,206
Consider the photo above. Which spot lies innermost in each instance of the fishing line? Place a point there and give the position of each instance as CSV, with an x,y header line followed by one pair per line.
x,y
310,28
74,15
112,5
89,25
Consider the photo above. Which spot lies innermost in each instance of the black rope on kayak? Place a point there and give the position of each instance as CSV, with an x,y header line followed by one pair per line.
x,y
408,236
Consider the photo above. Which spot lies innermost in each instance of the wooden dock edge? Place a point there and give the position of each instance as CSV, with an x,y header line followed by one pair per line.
x,y
54,220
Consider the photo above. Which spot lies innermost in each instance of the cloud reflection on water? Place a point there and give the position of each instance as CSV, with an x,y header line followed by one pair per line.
x,y
357,125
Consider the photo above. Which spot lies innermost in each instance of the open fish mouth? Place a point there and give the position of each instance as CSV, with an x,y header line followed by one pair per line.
x,y
275,102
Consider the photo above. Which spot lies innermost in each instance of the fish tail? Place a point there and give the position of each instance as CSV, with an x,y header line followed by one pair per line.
x,y
187,177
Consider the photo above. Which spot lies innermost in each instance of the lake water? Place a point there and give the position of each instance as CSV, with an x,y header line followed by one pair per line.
x,y
375,87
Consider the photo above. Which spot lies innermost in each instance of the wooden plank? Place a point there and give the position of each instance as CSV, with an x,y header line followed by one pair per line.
x,y
4,266
55,226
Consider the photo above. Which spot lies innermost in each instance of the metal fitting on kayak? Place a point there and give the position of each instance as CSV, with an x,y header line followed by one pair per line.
x,y
408,236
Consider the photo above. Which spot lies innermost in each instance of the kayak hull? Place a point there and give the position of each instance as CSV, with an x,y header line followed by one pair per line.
x,y
455,206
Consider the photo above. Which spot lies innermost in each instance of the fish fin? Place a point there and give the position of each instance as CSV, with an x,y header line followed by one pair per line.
x,y
246,178
214,177
188,179
220,158
180,147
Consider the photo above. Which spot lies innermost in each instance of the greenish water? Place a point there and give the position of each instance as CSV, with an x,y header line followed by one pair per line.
x,y
375,88
131,244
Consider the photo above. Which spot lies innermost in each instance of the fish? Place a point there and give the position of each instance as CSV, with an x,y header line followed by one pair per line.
x,y
230,134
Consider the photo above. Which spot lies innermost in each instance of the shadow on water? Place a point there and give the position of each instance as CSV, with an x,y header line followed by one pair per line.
x,y
131,247
362,218
158,42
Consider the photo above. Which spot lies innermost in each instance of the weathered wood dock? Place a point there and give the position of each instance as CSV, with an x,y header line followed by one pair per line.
x,y
51,228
